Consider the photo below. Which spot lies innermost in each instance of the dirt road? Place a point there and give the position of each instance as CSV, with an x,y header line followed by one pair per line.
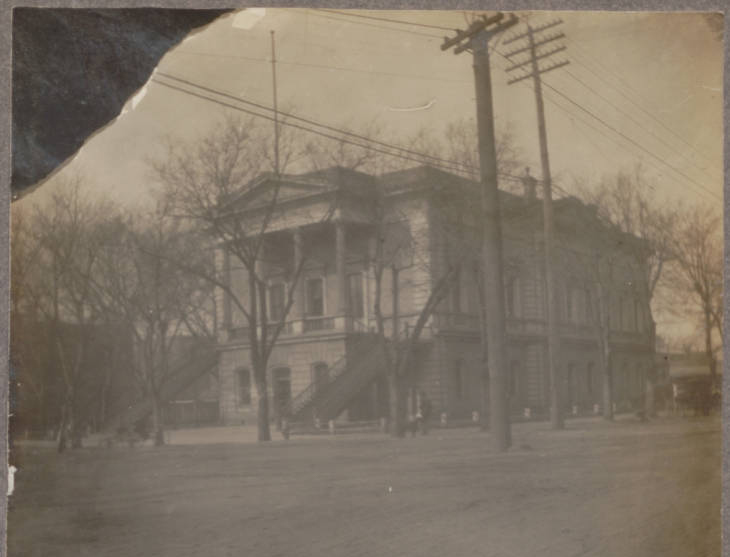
x,y
624,489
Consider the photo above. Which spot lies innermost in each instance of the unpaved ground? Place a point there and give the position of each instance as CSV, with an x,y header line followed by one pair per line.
x,y
623,490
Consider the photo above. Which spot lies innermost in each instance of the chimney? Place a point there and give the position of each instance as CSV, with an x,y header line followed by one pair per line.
x,y
530,185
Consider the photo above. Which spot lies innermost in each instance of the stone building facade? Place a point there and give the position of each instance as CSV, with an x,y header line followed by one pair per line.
x,y
326,364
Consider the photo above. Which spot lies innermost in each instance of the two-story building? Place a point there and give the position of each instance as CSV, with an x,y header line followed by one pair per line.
x,y
327,362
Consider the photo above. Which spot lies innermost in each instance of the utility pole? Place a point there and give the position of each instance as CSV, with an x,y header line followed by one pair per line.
x,y
276,107
476,38
553,332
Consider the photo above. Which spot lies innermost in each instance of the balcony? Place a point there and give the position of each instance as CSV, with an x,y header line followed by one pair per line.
x,y
311,324
457,321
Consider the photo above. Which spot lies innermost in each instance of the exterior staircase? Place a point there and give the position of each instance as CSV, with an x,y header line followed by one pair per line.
x,y
326,399
200,361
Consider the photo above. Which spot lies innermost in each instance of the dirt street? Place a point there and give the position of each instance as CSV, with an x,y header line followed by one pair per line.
x,y
624,489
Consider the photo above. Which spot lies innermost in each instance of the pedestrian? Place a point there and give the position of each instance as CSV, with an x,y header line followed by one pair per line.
x,y
424,412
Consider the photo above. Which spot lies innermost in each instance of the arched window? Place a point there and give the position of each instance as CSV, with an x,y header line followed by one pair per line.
x,y
244,386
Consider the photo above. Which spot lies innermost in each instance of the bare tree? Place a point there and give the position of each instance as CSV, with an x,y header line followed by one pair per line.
x,y
458,149
141,285
210,185
67,236
627,201
697,272
355,152
26,348
396,247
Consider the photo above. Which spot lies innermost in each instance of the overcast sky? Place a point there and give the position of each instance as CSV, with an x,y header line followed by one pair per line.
x,y
639,88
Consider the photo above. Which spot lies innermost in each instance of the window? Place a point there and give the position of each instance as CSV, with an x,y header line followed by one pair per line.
x,y
515,380
589,379
244,386
458,379
620,316
277,295
512,293
282,387
589,305
315,297
356,300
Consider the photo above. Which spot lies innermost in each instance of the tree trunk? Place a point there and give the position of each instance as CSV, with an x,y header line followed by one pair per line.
x,y
104,398
395,400
76,430
484,416
708,346
62,440
263,426
157,426
607,388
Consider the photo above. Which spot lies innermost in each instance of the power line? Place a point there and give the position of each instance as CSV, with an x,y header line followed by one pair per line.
x,y
390,20
629,139
325,66
632,101
454,165
450,166
402,152
630,117
314,123
316,13
621,134
431,78
582,108
577,117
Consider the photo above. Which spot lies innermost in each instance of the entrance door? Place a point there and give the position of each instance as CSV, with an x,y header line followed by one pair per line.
x,y
321,375
282,389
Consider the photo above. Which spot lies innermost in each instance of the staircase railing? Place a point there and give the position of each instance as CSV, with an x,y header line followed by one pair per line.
x,y
340,391
305,398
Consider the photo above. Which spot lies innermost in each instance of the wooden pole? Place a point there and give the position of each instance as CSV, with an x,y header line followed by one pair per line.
x,y
493,298
276,106
553,334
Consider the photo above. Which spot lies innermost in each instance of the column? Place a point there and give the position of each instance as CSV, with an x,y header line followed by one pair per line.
x,y
370,279
341,282
227,314
298,309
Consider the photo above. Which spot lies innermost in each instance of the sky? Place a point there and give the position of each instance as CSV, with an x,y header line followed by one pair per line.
x,y
640,88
